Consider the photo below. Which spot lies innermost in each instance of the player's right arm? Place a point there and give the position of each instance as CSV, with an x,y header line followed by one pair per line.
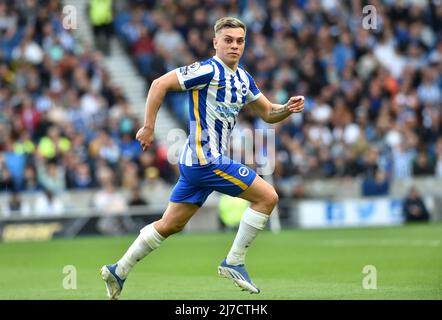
x,y
157,92
195,76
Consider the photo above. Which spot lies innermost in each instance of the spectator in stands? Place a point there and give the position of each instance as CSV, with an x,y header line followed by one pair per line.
x,y
54,144
28,51
79,146
144,49
402,161
29,115
428,91
70,162
153,184
15,162
377,185
414,208
15,206
24,145
129,146
109,151
168,39
83,178
423,166
129,178
48,204
108,199
6,182
353,166
51,176
30,183
136,198
101,17
113,206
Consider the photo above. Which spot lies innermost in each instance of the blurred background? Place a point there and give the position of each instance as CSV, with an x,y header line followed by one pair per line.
x,y
74,77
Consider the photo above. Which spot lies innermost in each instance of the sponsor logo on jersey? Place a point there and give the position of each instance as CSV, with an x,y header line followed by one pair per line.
x,y
227,112
243,172
194,67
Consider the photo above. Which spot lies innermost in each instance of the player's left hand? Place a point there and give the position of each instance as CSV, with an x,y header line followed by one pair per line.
x,y
295,104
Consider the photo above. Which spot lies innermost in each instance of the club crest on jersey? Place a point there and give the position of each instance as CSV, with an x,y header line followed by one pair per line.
x,y
243,88
243,171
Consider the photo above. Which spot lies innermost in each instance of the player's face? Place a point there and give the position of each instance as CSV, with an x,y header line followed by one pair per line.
x,y
229,45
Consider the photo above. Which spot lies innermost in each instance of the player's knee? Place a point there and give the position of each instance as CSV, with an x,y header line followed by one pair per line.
x,y
273,198
270,199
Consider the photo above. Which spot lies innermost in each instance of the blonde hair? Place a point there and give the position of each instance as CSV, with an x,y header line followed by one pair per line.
x,y
229,22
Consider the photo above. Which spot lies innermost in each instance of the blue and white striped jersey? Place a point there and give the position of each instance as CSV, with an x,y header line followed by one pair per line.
x,y
216,95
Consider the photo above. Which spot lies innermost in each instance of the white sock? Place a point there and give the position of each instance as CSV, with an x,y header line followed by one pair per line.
x,y
148,240
251,222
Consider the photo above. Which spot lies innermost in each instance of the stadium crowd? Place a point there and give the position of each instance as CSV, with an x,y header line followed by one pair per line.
x,y
63,124
373,95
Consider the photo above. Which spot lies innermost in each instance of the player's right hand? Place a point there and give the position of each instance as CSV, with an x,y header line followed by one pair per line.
x,y
145,136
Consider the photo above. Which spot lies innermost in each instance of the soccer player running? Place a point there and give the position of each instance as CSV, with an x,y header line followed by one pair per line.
x,y
218,89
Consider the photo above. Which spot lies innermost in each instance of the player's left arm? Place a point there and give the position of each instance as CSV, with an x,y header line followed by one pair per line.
x,y
273,113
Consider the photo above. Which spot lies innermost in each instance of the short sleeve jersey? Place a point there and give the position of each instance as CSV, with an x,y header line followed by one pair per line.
x,y
216,96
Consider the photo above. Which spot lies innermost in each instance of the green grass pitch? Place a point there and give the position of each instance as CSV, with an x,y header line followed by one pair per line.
x,y
294,264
